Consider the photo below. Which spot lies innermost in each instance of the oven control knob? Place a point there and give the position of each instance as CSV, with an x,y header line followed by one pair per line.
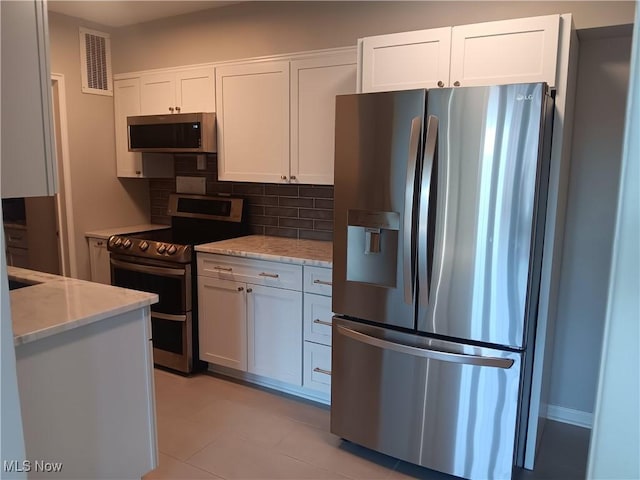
x,y
126,243
172,249
144,245
161,248
117,242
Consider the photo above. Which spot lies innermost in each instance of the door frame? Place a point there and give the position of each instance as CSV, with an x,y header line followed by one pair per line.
x,y
64,201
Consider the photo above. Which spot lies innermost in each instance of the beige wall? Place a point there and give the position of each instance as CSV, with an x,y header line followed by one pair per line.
x,y
266,28
100,200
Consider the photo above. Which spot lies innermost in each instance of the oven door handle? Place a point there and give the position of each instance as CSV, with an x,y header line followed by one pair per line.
x,y
167,272
167,316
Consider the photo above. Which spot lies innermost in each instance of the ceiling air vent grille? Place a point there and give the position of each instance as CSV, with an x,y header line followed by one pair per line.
x,y
95,59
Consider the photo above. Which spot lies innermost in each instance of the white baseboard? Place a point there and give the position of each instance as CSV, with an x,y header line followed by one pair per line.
x,y
569,415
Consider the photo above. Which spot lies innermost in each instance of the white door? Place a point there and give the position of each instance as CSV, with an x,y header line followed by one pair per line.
x,y
523,50
195,90
158,94
252,102
222,322
126,102
275,333
402,61
315,82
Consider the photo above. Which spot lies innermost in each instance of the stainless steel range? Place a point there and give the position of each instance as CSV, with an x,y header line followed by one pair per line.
x,y
163,262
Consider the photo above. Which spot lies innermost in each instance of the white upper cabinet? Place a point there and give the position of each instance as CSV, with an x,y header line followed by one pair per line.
x,y
511,51
28,151
402,61
252,102
181,91
315,82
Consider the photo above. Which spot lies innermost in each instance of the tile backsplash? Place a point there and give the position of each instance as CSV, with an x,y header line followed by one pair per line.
x,y
283,210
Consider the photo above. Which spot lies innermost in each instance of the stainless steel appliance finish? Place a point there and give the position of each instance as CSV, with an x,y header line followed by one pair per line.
x,y
163,262
174,133
440,201
414,400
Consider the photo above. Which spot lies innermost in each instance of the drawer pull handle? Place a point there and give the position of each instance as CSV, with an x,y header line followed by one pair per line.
x,y
322,322
322,282
322,370
270,275
224,269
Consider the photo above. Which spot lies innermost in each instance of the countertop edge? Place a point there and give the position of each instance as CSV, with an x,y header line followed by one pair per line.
x,y
264,256
80,322
105,233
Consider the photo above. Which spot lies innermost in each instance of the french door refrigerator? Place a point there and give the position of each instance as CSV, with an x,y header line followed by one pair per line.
x,y
440,201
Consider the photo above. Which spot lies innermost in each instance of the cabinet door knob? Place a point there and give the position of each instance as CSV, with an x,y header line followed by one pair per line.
x,y
171,109
138,172
292,177
240,289
249,290
440,83
177,109
283,177
456,83
100,243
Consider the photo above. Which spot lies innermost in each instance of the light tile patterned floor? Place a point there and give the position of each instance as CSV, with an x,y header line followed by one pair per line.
x,y
209,427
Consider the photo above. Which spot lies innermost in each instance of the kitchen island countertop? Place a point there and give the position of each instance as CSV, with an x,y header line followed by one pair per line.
x,y
55,304
275,249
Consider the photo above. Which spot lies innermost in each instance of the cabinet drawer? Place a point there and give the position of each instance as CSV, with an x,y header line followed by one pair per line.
x,y
317,280
317,318
257,272
317,367
16,237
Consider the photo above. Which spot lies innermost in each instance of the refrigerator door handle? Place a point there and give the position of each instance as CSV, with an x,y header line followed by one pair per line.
x,y
439,355
414,144
425,190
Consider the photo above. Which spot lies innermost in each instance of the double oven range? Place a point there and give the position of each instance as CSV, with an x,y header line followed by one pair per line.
x,y
164,262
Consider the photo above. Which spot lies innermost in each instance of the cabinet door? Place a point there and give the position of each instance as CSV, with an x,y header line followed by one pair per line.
x,y
523,50
18,257
402,61
315,83
28,151
126,102
99,261
275,333
222,322
252,102
195,90
158,93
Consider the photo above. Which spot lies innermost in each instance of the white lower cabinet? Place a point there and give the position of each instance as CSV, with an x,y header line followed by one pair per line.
x,y
99,261
275,333
222,317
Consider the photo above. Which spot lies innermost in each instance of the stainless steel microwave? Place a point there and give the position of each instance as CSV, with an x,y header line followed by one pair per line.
x,y
175,133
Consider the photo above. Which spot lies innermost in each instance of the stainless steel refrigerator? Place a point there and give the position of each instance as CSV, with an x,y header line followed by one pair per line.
x,y
440,200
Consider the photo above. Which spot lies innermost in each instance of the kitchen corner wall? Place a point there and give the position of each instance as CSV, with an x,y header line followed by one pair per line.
x,y
282,210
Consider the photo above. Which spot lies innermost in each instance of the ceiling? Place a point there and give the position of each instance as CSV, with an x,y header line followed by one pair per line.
x,y
119,13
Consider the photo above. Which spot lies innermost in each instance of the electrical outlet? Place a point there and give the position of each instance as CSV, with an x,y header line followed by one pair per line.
x,y
197,185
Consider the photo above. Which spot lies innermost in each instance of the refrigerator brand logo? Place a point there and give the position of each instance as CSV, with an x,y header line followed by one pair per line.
x,y
520,97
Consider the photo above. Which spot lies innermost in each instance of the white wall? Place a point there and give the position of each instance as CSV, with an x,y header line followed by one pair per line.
x,y
615,440
603,73
100,199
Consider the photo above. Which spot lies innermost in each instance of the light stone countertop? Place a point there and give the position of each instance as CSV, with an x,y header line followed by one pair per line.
x,y
58,304
275,249
107,232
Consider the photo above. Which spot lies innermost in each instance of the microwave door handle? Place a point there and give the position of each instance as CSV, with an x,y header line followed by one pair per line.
x,y
414,144
425,191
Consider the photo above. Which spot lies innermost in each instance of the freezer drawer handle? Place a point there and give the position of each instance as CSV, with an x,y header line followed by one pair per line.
x,y
322,370
322,282
322,322
426,353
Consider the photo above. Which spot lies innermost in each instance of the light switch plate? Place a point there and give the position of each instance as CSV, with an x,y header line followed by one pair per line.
x,y
197,185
